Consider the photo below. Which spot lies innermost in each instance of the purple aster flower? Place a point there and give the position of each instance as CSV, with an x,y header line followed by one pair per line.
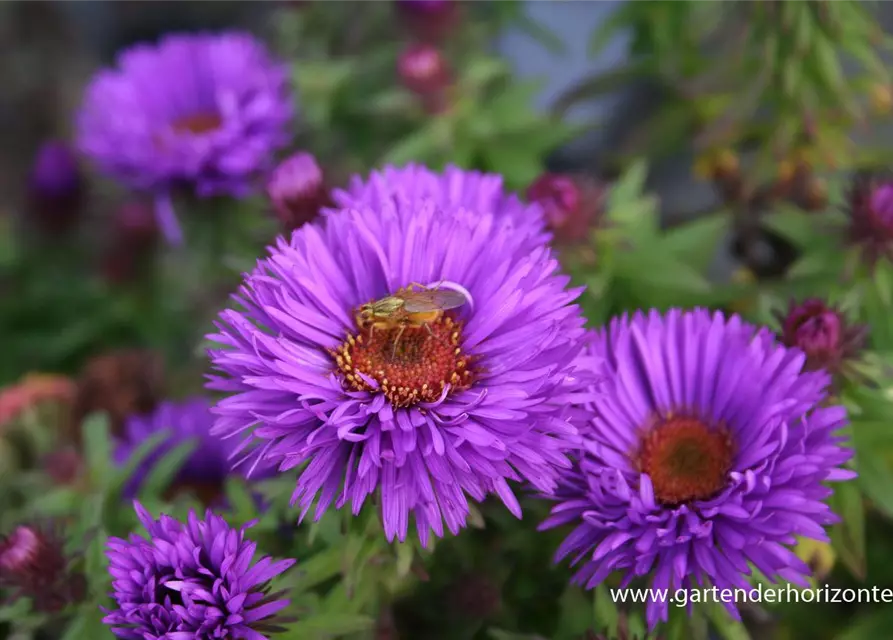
x,y
454,187
706,453
427,408
193,580
205,471
200,110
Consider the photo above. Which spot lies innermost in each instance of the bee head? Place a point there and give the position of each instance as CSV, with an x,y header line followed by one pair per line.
x,y
366,312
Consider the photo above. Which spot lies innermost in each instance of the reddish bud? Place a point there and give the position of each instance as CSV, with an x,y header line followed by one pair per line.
x,y
424,71
33,564
571,205
821,332
297,190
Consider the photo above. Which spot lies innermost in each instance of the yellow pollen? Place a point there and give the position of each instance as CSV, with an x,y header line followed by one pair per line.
x,y
424,361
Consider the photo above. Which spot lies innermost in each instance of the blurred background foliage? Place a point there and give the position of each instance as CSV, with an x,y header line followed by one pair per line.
x,y
770,96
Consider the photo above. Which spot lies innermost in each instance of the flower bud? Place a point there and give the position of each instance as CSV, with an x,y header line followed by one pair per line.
x,y
870,210
571,205
821,332
424,71
55,189
33,564
297,190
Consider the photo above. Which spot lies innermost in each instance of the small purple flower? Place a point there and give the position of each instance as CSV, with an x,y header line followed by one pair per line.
x,y
207,468
706,453
55,172
193,580
424,71
427,414
297,189
55,187
454,187
572,205
205,111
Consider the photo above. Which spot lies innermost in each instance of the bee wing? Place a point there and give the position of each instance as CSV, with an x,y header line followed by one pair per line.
x,y
432,300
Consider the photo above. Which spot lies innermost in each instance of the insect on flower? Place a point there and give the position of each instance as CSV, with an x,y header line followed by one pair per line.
x,y
413,306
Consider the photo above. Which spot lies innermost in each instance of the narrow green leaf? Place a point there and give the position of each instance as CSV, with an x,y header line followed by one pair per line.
x,y
630,185
319,568
724,624
164,472
848,536
145,448
98,449
418,146
695,242
604,609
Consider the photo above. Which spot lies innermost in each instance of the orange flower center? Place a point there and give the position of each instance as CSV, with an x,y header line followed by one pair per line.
x,y
414,367
198,124
686,460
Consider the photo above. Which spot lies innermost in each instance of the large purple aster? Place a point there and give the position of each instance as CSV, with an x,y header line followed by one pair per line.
x,y
457,404
454,187
207,468
199,110
193,580
707,450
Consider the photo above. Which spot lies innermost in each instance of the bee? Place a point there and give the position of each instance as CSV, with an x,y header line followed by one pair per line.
x,y
413,306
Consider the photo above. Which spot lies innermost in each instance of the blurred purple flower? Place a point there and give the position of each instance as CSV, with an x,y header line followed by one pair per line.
x,y
707,451
471,400
297,190
55,188
193,580
870,210
205,111
207,468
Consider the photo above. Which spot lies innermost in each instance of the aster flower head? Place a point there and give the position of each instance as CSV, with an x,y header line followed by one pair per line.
x,y
205,111
821,331
207,468
191,580
870,210
426,413
706,452
451,188
34,565
297,190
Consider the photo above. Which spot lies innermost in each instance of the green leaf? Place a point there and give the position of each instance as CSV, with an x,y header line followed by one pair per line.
x,y
144,450
336,623
604,609
418,146
164,472
724,624
576,615
320,567
695,242
98,449
482,71
661,272
516,164
848,536
630,185
243,507
870,627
